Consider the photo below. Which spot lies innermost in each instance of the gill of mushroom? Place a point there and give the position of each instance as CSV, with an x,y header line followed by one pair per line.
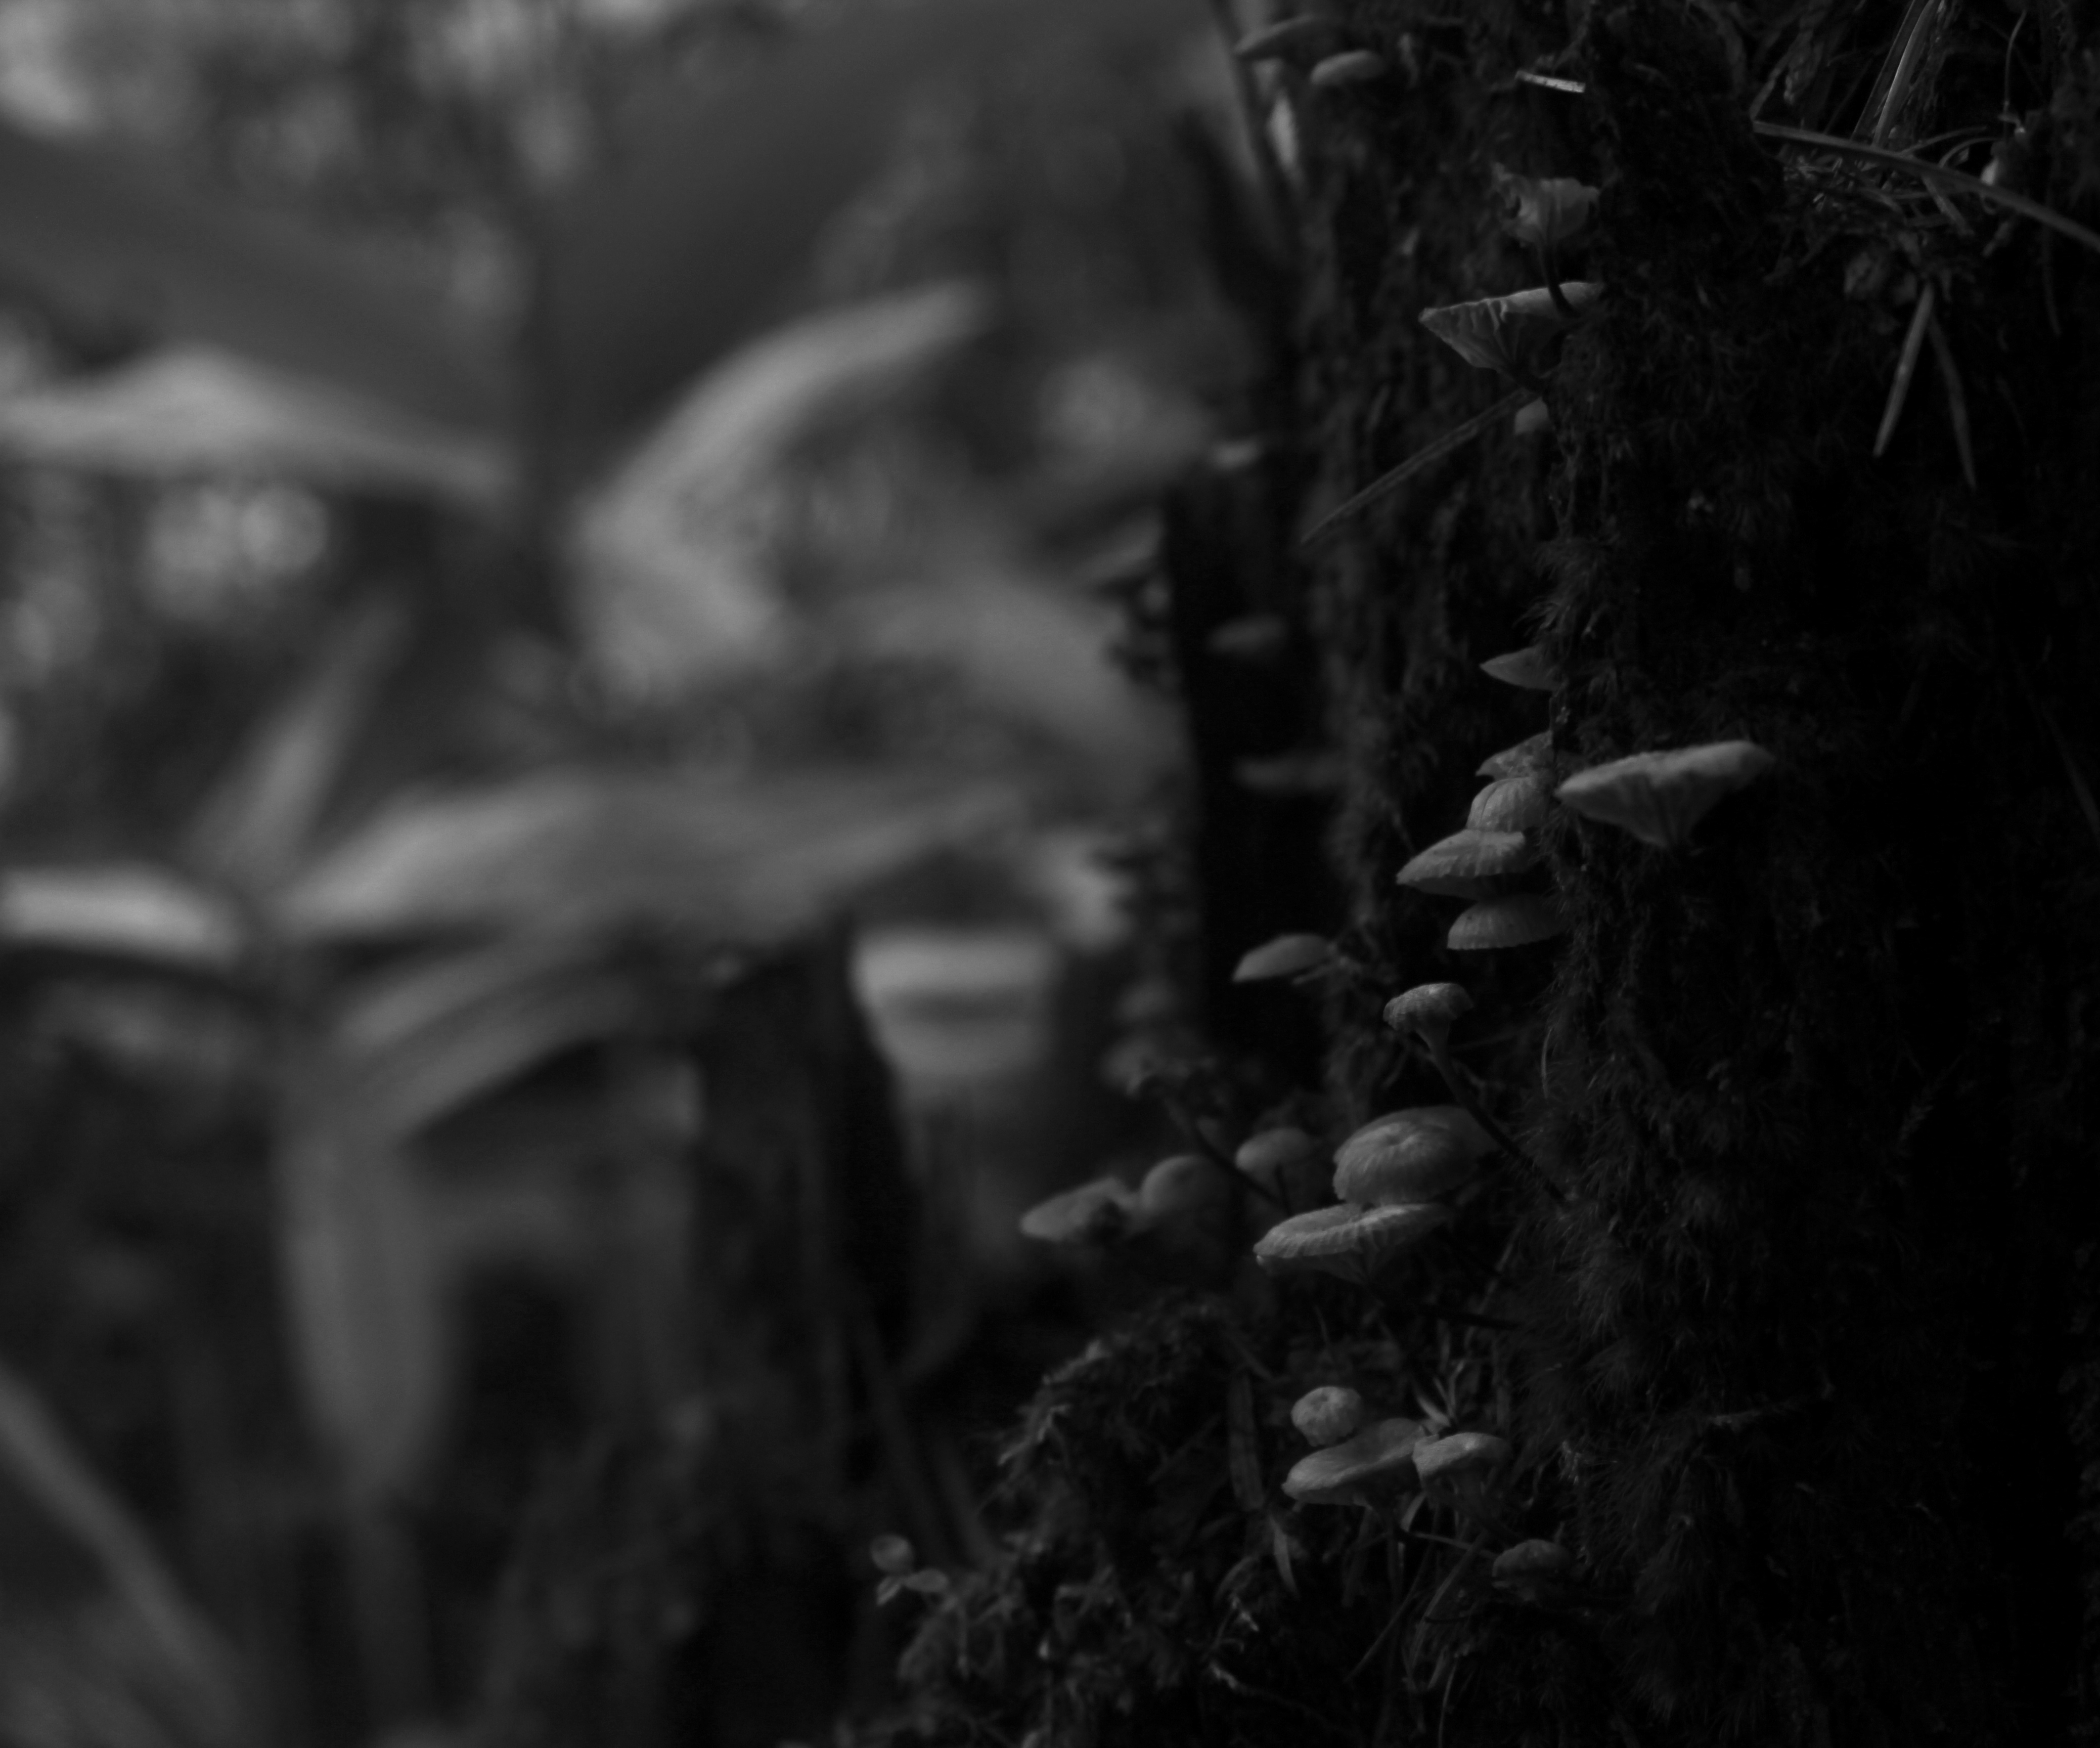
x,y
1429,1011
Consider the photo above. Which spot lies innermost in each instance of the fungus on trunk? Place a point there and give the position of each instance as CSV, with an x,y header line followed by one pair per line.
x,y
1659,797
1465,864
1089,1217
1409,1157
1374,1466
1517,803
1328,1415
1517,920
1350,1242
1288,955
1527,668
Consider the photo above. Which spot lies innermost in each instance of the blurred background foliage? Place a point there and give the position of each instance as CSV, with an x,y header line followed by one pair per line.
x,y
519,518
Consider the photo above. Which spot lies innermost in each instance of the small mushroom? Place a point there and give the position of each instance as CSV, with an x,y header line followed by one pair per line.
x,y
1460,1467
1409,1157
1514,921
1182,1186
1533,753
1353,1243
1288,955
1264,1157
1373,1464
1531,418
1350,67
1328,1415
1509,334
1458,866
1091,1216
1533,1572
1544,212
1660,796
1517,803
1527,668
1429,1011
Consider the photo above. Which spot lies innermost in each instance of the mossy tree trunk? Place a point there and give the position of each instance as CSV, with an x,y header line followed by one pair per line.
x,y
1807,1358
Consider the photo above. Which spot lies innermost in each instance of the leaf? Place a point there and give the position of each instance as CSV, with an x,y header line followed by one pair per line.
x,y
198,411
118,242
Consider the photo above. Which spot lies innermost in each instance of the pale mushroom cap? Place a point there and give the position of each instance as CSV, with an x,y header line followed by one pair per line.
x,y
1378,1460
1353,1242
1098,1213
1535,752
1454,864
1530,1560
1184,1183
1409,1157
1285,956
1352,67
1544,211
1328,1415
1506,334
1428,1008
1527,668
1516,921
1263,1155
1660,796
1512,803
1442,1461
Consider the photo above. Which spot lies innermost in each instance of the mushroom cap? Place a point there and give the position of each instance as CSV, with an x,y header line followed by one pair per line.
x,y
1544,211
1660,796
1527,668
1352,1242
1517,803
1329,1415
1442,1462
1534,752
1506,333
1285,956
1409,1157
1262,1156
1428,1008
1350,67
1456,865
1094,1214
1514,921
1531,1560
1378,1460
1183,1183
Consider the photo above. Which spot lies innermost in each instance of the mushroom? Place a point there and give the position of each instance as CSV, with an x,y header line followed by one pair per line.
x,y
1533,753
1184,1185
1352,67
1409,1157
1527,668
1508,333
1351,1242
1288,955
1461,865
1660,796
1460,1467
1376,1463
1094,1215
1544,212
1532,1572
1515,922
1516,803
1329,1415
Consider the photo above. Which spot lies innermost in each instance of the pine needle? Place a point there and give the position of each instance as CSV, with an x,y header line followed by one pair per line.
x,y
1906,367
1386,484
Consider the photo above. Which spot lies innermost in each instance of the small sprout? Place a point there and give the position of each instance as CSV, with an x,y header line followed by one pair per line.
x,y
1288,955
893,1554
1328,1415
1527,668
1512,803
1091,1216
1660,796
1458,866
1289,39
1251,637
1409,1157
1460,1467
1515,922
1531,418
1543,213
1352,1243
1352,67
1533,753
1375,1464
1533,1571
1509,334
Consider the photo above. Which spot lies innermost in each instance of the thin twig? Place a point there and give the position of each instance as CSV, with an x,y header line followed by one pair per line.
x,y
1906,367
1386,484
1958,402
